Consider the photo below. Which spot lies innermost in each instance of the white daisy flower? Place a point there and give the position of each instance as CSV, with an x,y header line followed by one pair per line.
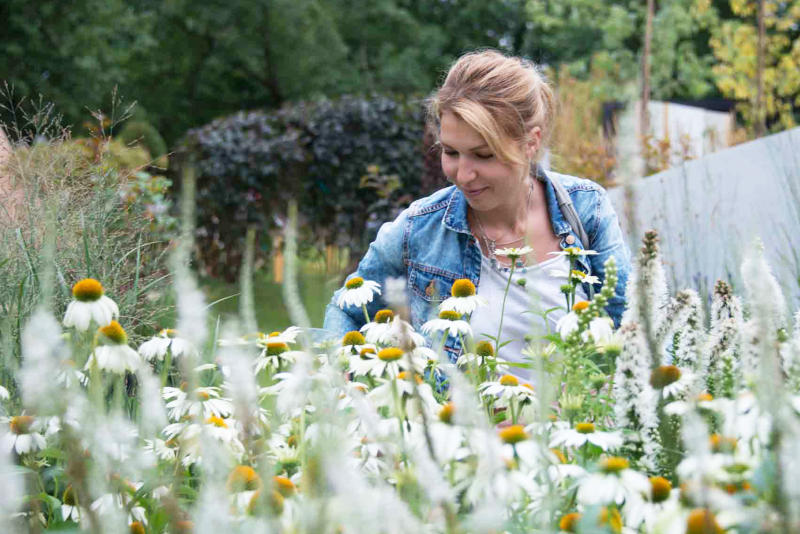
x,y
204,402
506,387
583,433
23,435
573,252
464,299
358,292
389,361
601,329
70,511
574,275
382,395
671,380
89,304
113,354
450,323
615,482
4,395
275,355
513,252
166,340
567,325
377,329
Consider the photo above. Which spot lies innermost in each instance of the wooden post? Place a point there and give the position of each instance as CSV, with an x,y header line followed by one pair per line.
x,y
277,259
760,116
644,119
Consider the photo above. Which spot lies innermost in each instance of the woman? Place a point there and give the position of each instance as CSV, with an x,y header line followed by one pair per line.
x,y
493,115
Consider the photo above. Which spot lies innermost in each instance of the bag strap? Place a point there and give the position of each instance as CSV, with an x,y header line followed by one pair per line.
x,y
568,210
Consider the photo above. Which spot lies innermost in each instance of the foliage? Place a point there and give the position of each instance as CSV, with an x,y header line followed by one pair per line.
x,y
141,133
104,230
251,164
735,46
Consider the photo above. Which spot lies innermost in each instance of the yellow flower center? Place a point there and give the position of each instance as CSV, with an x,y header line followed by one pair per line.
x,y
513,434
578,274
87,290
528,385
169,332
275,348
584,428
614,464
569,523
559,455
660,488
384,316
704,397
216,421
202,395
21,424
273,334
702,521
446,413
664,376
450,315
462,287
243,478
136,528
284,486
114,332
390,354
403,375
274,502
354,283
509,380
354,337
580,305
484,348
184,526
366,350
612,518
69,497
722,443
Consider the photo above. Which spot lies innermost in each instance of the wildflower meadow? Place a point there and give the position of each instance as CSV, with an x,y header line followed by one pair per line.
x,y
675,422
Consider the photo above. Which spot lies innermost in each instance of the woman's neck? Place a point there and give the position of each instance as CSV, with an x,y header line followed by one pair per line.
x,y
510,220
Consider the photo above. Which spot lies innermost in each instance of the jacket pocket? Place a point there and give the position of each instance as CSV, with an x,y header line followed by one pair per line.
x,y
430,283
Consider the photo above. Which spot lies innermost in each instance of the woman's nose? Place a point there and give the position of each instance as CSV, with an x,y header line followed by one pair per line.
x,y
466,172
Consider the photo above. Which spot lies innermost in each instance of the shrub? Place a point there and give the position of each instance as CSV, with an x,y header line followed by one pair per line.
x,y
346,161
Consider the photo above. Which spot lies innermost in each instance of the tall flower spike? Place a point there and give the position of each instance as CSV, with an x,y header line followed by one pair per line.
x,y
647,276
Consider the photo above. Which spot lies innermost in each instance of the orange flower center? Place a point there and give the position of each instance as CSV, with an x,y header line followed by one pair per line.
x,y
87,290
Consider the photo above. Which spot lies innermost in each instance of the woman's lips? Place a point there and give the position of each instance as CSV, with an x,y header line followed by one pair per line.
x,y
475,192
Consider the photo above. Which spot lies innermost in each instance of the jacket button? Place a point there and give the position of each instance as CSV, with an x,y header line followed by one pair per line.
x,y
570,239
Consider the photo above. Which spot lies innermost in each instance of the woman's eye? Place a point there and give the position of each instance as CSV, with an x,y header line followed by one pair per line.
x,y
485,156
451,152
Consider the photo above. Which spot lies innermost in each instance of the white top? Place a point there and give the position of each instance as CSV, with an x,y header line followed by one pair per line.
x,y
525,305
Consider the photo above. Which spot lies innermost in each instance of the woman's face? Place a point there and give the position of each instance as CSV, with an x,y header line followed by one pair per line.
x,y
469,163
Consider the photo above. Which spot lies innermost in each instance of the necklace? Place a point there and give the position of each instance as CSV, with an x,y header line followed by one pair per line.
x,y
491,244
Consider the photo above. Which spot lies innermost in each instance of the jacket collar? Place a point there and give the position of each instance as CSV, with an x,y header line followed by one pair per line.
x,y
455,217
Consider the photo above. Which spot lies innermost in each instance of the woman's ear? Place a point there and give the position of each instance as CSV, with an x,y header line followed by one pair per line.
x,y
534,142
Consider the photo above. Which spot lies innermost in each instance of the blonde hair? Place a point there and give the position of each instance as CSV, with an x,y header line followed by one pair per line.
x,y
501,97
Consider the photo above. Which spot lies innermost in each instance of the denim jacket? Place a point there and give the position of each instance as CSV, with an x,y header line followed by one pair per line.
x,y
430,245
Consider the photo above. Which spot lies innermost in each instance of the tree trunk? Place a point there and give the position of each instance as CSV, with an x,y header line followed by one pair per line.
x,y
644,118
760,116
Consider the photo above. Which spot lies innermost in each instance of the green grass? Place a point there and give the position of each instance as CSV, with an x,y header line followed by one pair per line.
x,y
316,290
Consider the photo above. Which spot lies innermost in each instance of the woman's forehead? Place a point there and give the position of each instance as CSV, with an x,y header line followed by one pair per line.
x,y
457,133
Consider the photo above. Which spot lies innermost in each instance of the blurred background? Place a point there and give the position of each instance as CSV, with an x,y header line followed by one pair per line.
x,y
322,101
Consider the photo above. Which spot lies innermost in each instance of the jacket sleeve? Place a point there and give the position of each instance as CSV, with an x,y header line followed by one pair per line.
x,y
607,240
384,259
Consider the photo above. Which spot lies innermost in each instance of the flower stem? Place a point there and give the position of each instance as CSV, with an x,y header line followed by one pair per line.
x,y
366,314
503,308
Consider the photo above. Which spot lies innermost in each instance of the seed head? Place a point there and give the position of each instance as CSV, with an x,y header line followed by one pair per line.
x,y
665,375
580,306
702,521
509,380
660,488
484,348
354,337
569,522
384,316
275,348
390,354
243,478
136,528
284,486
21,424
68,497
87,290
584,428
463,287
446,413
614,464
513,434
354,282
450,315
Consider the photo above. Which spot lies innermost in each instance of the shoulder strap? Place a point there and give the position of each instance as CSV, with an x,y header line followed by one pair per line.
x,y
568,210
